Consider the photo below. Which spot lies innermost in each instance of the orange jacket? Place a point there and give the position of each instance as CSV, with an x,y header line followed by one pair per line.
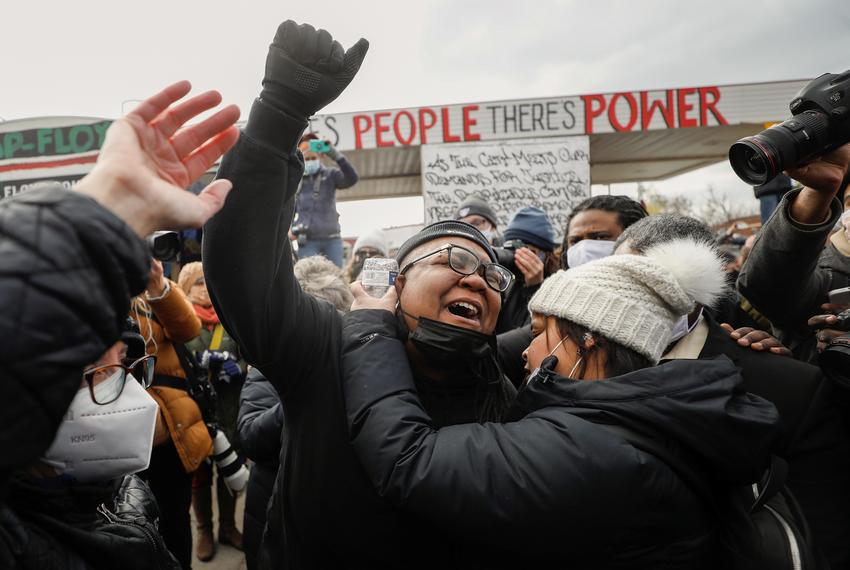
x,y
175,321
185,425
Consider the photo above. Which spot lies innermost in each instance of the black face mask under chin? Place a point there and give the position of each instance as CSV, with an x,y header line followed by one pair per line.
x,y
470,357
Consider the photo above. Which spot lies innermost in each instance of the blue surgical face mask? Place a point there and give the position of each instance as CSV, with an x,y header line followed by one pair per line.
x,y
588,250
311,167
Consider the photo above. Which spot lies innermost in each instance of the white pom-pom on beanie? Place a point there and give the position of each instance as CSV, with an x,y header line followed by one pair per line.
x,y
635,300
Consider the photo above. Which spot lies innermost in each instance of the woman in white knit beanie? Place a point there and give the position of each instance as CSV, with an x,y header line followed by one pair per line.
x,y
615,315
557,483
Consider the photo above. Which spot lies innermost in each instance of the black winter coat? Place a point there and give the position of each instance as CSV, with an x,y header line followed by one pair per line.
x,y
812,436
259,426
82,527
324,512
790,272
68,268
554,485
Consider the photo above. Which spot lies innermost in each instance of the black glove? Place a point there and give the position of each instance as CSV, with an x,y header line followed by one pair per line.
x,y
307,69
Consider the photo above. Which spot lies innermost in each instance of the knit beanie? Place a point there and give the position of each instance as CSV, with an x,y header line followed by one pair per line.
x,y
444,229
374,239
532,226
635,300
189,274
474,206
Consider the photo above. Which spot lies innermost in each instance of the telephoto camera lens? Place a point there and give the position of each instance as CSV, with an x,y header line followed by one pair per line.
x,y
231,466
759,158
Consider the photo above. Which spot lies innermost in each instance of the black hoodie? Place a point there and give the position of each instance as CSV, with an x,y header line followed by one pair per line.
x,y
555,484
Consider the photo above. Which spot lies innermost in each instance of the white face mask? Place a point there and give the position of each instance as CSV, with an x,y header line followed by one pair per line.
x,y
844,220
589,250
97,443
681,329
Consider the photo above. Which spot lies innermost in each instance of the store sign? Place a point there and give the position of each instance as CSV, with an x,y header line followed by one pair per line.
x,y
552,174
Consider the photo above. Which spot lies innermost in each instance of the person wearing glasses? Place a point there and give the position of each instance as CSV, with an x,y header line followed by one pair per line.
x,y
556,481
71,262
81,504
324,513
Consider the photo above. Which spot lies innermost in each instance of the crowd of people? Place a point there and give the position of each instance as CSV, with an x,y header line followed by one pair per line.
x,y
627,398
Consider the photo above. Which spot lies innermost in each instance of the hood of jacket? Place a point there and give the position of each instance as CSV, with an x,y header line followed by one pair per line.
x,y
698,404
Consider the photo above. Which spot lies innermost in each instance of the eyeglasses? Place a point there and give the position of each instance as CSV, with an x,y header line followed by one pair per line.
x,y
107,382
465,262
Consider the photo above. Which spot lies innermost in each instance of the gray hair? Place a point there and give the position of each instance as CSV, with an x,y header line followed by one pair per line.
x,y
319,277
662,228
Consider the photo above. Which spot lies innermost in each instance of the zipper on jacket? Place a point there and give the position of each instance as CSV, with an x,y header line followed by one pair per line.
x,y
792,540
793,545
110,516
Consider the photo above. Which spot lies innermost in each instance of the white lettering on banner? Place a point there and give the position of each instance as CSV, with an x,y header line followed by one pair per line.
x,y
552,174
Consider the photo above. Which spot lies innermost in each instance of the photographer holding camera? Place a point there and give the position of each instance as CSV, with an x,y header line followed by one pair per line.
x,y
529,243
797,260
316,225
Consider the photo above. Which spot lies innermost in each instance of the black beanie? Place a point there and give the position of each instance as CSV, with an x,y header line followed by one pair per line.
x,y
474,206
443,229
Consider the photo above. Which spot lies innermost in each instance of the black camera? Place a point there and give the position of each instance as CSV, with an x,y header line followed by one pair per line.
x,y
164,246
835,359
820,123
300,232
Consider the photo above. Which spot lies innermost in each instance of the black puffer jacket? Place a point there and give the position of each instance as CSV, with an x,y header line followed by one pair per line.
x,y
555,485
259,426
82,527
68,269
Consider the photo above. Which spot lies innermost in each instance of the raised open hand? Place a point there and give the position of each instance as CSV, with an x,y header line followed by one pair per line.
x,y
149,159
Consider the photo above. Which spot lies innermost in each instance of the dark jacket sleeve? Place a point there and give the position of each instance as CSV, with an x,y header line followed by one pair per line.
x,y
505,478
511,345
345,176
248,258
68,268
781,277
260,419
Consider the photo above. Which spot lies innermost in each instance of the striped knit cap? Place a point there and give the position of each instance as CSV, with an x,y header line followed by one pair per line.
x,y
635,300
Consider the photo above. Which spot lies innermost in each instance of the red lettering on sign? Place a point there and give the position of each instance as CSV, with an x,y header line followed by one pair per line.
x,y
612,112
684,107
411,121
380,129
469,122
447,134
705,105
362,124
424,125
666,112
589,112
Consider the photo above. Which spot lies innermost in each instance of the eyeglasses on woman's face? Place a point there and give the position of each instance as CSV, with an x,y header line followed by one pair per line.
x,y
107,382
465,262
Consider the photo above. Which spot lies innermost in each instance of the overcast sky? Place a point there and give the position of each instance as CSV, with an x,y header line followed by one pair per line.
x,y
87,57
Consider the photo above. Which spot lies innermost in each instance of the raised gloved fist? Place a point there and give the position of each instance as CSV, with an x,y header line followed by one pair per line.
x,y
306,69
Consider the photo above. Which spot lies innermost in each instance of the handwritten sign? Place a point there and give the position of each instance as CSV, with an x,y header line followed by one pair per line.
x,y
552,174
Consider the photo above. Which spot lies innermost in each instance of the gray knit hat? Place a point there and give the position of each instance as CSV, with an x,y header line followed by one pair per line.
x,y
635,300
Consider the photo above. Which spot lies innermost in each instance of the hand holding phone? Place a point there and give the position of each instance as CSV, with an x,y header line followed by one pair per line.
x,y
319,146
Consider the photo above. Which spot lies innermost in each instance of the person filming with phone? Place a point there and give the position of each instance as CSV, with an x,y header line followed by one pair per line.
x,y
316,226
